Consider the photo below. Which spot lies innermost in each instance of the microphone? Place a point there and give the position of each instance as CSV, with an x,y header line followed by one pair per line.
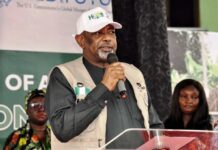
x,y
112,58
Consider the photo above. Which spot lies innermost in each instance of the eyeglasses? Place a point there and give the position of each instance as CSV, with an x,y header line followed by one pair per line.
x,y
32,94
37,106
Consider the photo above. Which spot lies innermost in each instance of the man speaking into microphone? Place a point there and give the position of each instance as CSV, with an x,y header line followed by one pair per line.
x,y
94,98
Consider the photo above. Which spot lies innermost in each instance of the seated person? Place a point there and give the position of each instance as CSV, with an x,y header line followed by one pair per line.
x,y
189,108
35,134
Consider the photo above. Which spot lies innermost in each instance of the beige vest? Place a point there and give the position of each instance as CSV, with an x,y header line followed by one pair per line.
x,y
94,135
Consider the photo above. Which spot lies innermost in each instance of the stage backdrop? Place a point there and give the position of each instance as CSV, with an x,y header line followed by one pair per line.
x,y
34,36
143,42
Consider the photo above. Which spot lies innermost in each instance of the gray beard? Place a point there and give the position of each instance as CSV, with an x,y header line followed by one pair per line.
x,y
103,55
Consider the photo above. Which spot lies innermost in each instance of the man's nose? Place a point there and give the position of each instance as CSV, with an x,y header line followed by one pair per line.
x,y
106,37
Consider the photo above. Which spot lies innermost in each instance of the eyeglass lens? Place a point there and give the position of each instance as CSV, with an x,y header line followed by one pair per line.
x,y
37,106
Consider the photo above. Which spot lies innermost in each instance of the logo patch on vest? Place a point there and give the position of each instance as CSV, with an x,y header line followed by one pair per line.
x,y
141,87
81,91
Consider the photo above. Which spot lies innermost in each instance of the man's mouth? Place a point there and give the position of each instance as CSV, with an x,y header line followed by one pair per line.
x,y
106,48
41,114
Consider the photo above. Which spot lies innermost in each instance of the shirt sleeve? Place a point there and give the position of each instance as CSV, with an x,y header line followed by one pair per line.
x,y
12,141
68,118
154,120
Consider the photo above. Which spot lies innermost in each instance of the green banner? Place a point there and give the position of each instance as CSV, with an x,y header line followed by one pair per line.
x,y
21,72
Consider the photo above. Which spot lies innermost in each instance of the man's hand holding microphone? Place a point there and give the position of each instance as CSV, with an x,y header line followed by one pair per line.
x,y
114,75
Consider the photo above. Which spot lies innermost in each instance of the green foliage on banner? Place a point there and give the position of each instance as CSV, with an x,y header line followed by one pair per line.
x,y
195,71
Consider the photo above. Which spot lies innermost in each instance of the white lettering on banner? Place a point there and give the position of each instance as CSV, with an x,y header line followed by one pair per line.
x,y
16,78
27,81
7,117
15,82
18,114
43,83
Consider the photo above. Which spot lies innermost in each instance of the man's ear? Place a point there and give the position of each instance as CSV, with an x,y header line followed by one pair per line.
x,y
80,40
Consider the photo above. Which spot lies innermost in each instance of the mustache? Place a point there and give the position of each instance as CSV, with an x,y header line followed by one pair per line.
x,y
106,44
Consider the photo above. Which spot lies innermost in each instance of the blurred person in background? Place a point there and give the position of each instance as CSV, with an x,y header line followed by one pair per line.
x,y
189,107
35,134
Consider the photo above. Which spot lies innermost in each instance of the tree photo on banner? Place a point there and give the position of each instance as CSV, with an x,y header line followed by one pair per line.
x,y
40,39
193,54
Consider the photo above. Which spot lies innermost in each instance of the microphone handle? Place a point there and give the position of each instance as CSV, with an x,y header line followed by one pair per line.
x,y
122,89
112,58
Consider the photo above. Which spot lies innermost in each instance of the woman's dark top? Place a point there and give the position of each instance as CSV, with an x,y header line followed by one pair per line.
x,y
200,125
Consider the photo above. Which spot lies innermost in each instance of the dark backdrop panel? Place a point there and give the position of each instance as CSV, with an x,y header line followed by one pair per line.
x,y
184,13
143,42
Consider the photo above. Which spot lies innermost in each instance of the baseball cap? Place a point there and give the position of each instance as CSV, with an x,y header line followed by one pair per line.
x,y
94,20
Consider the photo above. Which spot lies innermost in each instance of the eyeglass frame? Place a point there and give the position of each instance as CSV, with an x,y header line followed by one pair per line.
x,y
33,105
34,93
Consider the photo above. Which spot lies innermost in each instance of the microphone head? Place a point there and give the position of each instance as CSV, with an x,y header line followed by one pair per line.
x,y
111,58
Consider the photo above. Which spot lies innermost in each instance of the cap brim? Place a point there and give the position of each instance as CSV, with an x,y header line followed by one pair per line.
x,y
98,27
